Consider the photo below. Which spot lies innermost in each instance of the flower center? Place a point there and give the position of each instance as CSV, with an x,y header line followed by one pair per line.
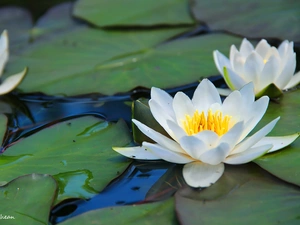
x,y
213,121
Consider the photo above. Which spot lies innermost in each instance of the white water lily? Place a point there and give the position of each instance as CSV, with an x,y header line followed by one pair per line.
x,y
207,133
264,66
12,81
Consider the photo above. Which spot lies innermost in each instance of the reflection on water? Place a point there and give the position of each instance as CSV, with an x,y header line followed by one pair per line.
x,y
142,182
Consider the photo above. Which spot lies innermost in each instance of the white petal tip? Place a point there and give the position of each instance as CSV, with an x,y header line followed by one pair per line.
x,y
12,82
281,142
198,174
138,152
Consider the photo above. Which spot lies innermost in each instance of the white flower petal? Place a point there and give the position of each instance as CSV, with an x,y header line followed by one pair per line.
x,y
269,73
237,64
247,93
160,116
230,107
272,52
233,135
220,61
167,154
286,48
294,81
248,155
138,152
199,174
158,137
277,142
210,138
252,140
3,50
233,80
262,48
216,155
287,71
193,146
205,95
233,52
246,47
182,106
176,131
253,66
253,114
12,82
164,100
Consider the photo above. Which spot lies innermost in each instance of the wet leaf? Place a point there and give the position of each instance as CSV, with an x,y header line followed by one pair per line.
x,y
244,195
77,59
85,161
133,12
253,19
27,199
284,163
67,63
146,214
17,21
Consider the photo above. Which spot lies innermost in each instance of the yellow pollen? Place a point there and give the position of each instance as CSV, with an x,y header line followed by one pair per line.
x,y
265,61
213,121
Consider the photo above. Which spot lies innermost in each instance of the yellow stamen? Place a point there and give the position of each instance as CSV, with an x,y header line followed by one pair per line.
x,y
265,61
213,121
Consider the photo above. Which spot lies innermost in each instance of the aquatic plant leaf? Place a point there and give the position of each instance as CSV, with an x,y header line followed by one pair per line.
x,y
17,21
146,214
48,25
82,164
133,12
284,163
80,52
244,195
110,61
252,19
27,199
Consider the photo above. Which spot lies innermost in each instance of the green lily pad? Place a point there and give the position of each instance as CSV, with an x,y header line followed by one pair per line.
x,y
133,12
80,51
244,195
284,163
77,152
146,214
55,21
27,200
168,65
253,19
17,21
